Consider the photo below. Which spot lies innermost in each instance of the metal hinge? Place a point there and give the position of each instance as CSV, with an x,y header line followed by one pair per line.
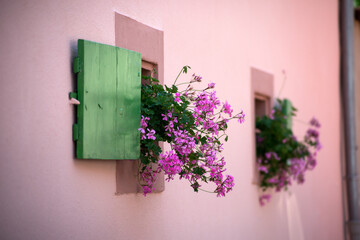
x,y
75,132
73,98
73,95
76,65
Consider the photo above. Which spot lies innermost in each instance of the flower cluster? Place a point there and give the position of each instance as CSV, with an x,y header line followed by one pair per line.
x,y
194,123
171,164
146,133
148,178
283,159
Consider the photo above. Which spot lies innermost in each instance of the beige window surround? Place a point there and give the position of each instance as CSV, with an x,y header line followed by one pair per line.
x,y
135,36
262,98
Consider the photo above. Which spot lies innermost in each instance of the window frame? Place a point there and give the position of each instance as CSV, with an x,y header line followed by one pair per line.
x,y
262,88
130,34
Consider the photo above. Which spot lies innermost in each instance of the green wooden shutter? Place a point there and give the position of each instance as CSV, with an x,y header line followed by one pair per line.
x,y
109,91
287,111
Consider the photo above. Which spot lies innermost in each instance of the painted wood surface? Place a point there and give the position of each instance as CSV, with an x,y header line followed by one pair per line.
x,y
109,90
288,111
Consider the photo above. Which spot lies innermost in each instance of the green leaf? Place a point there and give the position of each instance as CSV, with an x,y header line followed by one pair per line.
x,y
155,80
174,89
198,171
185,69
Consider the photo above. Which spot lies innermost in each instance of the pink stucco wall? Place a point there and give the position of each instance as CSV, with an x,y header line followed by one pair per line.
x,y
46,194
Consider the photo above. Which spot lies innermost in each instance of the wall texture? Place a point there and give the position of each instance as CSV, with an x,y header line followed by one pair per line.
x,y
47,194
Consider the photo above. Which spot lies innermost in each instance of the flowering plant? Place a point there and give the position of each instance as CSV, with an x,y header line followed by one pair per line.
x,y
282,158
193,122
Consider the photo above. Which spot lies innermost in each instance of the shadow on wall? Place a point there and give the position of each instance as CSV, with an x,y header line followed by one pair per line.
x,y
295,226
73,53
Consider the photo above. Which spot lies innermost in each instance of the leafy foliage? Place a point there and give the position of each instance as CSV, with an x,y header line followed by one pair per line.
x,y
356,3
193,122
282,158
